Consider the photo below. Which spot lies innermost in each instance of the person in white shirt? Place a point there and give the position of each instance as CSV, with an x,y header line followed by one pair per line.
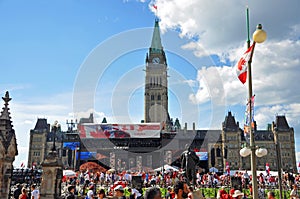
x,y
35,194
294,194
90,193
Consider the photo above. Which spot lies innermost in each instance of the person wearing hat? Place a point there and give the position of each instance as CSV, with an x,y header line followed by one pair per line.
x,y
71,194
119,192
90,193
237,194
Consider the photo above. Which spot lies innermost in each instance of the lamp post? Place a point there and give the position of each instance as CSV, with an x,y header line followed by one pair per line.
x,y
277,148
259,36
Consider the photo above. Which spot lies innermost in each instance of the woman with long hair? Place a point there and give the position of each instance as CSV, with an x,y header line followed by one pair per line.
x,y
23,194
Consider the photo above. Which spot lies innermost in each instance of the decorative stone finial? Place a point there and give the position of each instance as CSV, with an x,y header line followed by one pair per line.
x,y
6,98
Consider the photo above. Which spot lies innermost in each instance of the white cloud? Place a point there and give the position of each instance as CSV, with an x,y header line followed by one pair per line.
x,y
190,82
221,25
275,69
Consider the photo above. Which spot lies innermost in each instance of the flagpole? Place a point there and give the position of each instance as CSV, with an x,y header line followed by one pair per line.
x,y
252,141
248,29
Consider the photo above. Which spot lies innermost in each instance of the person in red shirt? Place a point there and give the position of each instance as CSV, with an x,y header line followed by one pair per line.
x,y
231,192
222,194
250,189
23,194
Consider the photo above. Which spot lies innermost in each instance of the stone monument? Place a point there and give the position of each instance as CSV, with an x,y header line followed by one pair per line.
x,y
189,160
52,171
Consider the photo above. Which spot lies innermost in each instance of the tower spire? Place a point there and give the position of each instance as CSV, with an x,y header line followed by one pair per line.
x,y
156,81
5,112
156,45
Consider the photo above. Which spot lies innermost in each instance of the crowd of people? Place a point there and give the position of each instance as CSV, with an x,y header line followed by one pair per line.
x,y
88,184
24,192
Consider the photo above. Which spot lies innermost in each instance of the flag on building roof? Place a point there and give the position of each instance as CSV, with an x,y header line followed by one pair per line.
x,y
242,65
155,6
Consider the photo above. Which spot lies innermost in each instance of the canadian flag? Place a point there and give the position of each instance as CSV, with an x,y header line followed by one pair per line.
x,y
155,7
267,169
241,69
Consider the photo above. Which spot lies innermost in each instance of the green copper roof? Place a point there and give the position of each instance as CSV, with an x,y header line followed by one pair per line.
x,y
156,41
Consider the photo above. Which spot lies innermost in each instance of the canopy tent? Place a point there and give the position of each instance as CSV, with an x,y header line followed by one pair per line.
x,y
69,173
112,170
166,168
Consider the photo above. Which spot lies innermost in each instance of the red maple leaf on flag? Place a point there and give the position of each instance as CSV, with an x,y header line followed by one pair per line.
x,y
241,69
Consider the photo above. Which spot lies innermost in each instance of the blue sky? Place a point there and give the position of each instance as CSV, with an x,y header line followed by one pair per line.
x,y
49,50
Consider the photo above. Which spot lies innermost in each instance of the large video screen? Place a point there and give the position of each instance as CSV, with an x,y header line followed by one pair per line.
x,y
202,155
86,155
71,145
146,130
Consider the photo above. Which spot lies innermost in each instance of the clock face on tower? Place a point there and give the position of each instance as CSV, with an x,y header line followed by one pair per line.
x,y
155,60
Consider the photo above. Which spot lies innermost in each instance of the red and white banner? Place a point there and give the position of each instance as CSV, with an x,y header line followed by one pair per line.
x,y
147,130
242,65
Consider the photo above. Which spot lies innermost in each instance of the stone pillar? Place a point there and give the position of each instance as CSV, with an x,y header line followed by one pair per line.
x,y
8,148
52,176
5,176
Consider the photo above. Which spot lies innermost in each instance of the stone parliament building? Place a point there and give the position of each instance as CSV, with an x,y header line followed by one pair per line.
x,y
220,146
215,148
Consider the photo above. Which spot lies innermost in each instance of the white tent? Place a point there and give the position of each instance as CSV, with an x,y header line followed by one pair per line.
x,y
272,173
213,170
69,173
166,168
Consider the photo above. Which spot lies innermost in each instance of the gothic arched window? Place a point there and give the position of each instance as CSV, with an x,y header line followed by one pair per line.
x,y
219,152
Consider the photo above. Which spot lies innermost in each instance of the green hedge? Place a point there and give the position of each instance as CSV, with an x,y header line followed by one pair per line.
x,y
212,192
